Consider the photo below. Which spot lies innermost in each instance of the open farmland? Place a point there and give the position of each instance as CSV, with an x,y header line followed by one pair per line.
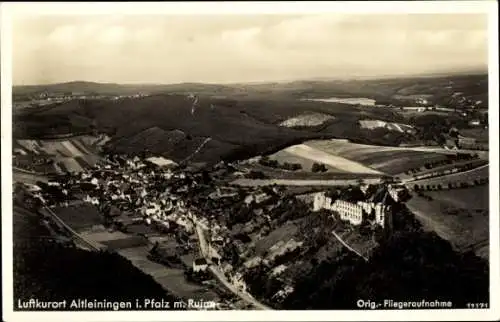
x,y
307,119
238,128
70,154
472,198
289,156
305,174
460,216
336,162
80,217
391,160
26,177
412,113
70,147
398,127
480,134
169,278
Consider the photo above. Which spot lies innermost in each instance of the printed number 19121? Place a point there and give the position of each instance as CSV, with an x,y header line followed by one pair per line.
x,y
477,305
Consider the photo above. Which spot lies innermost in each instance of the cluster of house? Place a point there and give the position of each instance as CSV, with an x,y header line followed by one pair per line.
x,y
142,188
462,142
157,197
373,211
136,186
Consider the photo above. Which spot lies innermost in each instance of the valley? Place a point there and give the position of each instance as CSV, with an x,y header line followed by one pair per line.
x,y
213,190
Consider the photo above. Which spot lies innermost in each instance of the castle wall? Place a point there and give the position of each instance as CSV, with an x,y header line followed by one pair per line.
x,y
354,213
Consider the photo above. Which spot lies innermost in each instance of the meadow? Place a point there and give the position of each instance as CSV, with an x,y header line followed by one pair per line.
x,y
307,155
460,216
390,160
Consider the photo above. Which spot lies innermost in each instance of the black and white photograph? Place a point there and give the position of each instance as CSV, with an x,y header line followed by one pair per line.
x,y
212,159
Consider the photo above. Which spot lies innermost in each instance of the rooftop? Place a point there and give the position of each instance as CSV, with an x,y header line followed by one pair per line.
x,y
200,261
161,161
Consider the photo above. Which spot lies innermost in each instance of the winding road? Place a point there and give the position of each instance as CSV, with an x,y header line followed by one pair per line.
x,y
220,276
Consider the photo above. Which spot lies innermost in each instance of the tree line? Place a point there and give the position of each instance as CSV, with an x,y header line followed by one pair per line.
x,y
451,185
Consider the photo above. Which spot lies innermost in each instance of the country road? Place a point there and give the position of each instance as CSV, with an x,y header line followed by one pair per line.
x,y
410,180
29,177
90,244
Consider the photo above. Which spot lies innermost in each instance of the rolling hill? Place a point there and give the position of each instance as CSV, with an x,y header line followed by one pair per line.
x,y
163,124
473,84
233,121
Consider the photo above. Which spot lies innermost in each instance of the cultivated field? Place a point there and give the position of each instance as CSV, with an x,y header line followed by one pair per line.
x,y
171,279
307,119
390,160
101,234
398,127
70,147
71,154
480,134
289,156
338,163
414,113
80,217
460,216
347,100
304,174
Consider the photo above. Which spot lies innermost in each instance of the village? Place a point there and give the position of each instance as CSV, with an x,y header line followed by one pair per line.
x,y
199,222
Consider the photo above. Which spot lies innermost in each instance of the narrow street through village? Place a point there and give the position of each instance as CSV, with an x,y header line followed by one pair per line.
x,y
220,275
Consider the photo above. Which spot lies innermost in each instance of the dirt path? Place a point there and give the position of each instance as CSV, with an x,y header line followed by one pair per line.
x,y
347,246
197,150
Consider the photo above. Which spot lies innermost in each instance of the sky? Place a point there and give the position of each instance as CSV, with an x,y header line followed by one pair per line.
x,y
243,48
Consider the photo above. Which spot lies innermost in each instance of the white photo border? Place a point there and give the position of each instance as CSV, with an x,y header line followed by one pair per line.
x,y
9,10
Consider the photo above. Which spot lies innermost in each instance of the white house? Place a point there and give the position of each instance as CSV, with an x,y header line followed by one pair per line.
x,y
278,270
200,265
33,187
161,161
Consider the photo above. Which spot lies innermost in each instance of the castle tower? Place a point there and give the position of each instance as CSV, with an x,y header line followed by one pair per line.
x,y
386,214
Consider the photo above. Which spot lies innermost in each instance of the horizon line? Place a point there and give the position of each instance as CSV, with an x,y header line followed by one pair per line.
x,y
471,71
